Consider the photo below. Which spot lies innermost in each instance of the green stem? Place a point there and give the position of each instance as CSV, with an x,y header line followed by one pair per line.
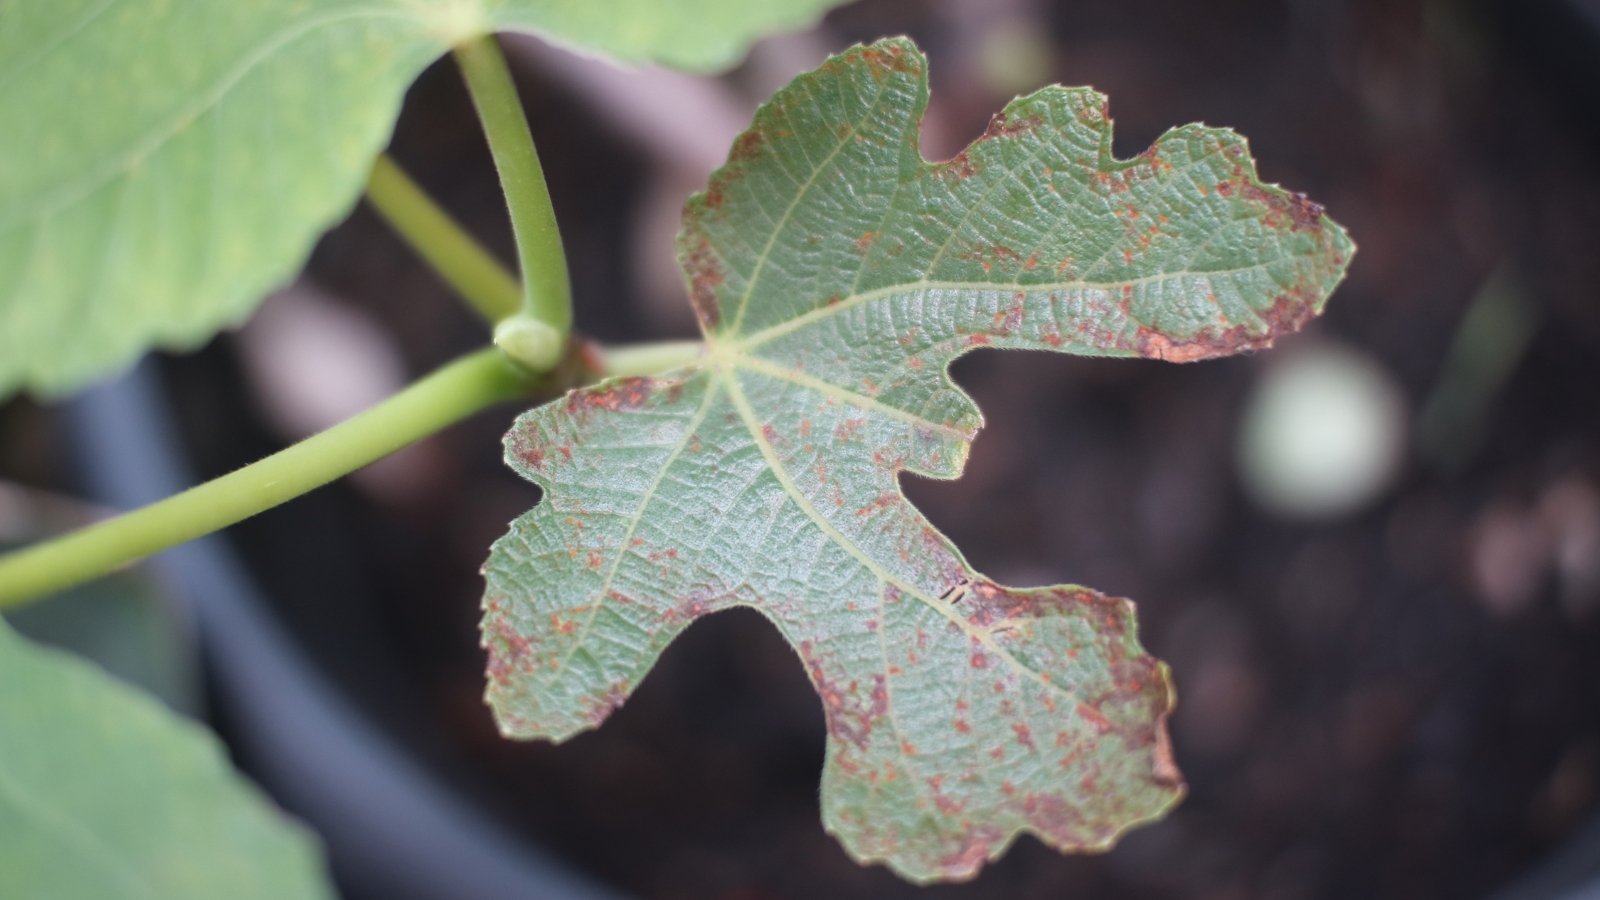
x,y
462,262
438,400
547,295
648,359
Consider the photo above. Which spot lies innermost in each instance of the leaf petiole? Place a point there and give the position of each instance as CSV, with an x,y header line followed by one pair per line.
x,y
448,395
462,262
547,294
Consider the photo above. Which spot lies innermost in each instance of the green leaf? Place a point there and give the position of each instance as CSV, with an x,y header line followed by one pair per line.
x,y
167,162
103,793
836,275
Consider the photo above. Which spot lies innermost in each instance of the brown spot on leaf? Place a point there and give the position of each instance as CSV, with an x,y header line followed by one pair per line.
x,y
1297,211
1165,767
891,57
847,716
615,396
1093,716
1288,313
965,862
864,242
1024,734
704,268
1002,125
509,651
747,146
958,168
602,707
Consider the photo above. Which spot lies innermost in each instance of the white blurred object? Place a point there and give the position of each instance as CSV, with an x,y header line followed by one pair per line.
x,y
1322,433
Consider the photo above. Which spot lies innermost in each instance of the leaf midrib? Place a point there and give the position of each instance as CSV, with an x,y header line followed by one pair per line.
x,y
735,344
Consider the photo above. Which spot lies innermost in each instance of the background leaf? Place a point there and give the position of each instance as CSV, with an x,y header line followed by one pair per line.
x,y
167,163
836,275
103,793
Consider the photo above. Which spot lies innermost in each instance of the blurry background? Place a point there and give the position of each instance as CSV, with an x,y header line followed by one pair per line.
x,y
1371,556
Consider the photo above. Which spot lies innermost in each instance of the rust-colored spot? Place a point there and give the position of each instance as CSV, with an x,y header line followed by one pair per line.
x,y
963,727
908,748
1297,211
533,456
1003,125
958,168
1024,734
891,57
864,242
593,560
1094,717
747,146
622,394
1165,768
967,860
879,503
602,707
704,268
977,340
847,717
1288,313
508,651
979,660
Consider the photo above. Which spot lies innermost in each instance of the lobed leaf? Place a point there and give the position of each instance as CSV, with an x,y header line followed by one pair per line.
x,y
103,793
836,274
167,162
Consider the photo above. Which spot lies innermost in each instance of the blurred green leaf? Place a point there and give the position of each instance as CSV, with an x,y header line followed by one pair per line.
x,y
168,162
120,624
106,794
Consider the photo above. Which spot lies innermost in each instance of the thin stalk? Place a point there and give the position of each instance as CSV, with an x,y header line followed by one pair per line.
x,y
462,262
547,295
648,359
450,394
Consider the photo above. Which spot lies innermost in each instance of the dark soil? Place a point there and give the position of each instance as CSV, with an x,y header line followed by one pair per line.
x,y
1398,703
